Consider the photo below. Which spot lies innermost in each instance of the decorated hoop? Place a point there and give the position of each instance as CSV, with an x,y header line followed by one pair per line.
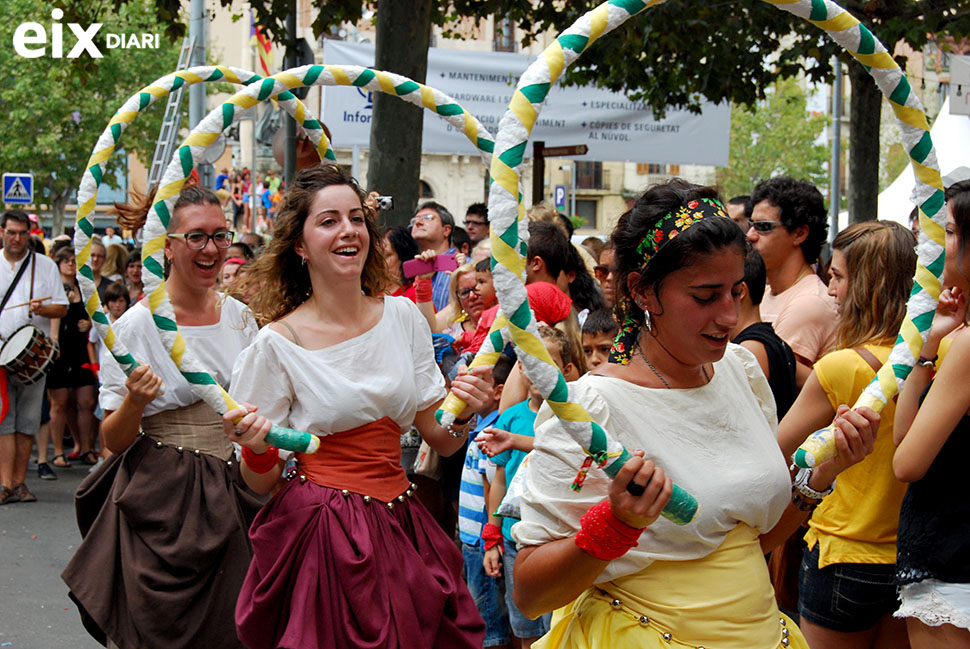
x,y
191,151
91,181
506,215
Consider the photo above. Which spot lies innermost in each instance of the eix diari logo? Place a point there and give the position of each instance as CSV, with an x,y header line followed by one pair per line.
x,y
34,34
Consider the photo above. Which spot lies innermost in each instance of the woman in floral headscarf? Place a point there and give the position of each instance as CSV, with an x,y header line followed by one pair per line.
x,y
701,410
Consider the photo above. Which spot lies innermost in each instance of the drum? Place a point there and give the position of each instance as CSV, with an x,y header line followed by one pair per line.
x,y
28,354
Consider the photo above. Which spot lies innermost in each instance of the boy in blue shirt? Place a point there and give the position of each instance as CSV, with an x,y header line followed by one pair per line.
x,y
486,590
519,422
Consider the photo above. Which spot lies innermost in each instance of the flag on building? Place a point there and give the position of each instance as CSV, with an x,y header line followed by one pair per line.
x,y
264,47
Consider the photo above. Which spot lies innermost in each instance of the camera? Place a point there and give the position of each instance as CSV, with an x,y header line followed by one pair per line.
x,y
385,202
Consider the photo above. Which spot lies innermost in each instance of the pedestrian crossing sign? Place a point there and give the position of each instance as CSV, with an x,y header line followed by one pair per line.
x,y
18,188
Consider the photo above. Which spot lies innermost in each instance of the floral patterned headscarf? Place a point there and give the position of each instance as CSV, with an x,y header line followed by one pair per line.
x,y
667,227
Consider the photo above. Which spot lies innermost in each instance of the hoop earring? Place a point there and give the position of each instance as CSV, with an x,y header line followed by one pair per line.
x,y
303,260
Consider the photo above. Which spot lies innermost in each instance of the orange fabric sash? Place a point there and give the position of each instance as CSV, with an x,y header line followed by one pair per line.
x,y
365,460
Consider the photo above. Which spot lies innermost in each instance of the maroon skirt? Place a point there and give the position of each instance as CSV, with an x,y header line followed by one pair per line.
x,y
333,570
165,548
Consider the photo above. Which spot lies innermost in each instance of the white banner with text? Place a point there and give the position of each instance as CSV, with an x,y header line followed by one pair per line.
x,y
612,126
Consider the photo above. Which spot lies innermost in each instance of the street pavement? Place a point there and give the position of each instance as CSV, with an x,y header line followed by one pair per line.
x,y
36,541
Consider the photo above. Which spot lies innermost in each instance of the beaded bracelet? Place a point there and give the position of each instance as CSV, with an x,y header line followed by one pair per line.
x,y
605,536
261,462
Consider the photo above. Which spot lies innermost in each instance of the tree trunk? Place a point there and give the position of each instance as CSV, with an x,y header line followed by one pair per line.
x,y
58,201
864,112
403,35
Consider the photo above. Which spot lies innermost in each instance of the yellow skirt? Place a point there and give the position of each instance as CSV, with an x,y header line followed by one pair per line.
x,y
722,601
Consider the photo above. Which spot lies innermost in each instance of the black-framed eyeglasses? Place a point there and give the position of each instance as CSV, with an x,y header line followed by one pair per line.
x,y
17,233
764,226
199,240
463,293
478,223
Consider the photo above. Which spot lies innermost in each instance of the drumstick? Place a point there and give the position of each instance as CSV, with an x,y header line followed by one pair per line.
x,y
27,302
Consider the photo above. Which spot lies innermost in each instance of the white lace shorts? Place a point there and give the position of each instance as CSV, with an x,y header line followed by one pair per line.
x,y
935,602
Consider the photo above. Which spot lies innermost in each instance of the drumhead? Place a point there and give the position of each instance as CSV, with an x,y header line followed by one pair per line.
x,y
16,344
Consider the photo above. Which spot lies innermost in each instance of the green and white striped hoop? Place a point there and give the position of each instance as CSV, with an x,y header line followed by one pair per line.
x,y
91,180
207,131
506,211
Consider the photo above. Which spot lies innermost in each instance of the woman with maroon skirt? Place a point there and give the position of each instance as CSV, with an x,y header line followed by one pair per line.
x,y
343,555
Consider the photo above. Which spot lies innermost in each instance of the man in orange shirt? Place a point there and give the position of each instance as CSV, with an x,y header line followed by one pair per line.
x,y
788,227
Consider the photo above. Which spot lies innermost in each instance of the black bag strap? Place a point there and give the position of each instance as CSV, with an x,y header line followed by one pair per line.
x,y
16,280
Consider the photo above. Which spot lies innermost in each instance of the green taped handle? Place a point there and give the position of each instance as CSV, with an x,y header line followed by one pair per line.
x,y
681,509
292,440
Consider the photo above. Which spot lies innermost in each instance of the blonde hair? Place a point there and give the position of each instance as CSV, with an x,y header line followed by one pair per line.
x,y
115,260
553,335
880,259
545,212
453,301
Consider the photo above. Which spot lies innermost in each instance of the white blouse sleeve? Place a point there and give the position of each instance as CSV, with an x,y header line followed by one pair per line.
x,y
258,378
550,509
428,381
758,384
113,390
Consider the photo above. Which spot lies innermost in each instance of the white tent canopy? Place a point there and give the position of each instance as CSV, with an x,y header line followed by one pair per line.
x,y
951,138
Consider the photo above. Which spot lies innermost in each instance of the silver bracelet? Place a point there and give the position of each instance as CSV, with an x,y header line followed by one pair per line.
x,y
801,485
457,434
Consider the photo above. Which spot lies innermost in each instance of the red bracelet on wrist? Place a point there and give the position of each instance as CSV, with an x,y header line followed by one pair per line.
x,y
423,289
261,462
605,536
492,536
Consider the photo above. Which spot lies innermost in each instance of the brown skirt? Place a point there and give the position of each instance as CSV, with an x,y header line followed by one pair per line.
x,y
165,548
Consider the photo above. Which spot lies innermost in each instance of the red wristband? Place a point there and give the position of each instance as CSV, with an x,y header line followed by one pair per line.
x,y
605,536
492,536
261,462
423,289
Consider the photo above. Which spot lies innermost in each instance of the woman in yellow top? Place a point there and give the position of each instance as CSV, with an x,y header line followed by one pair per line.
x,y
846,590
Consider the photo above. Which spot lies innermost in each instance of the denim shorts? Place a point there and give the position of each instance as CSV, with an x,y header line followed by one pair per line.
x,y
26,406
522,626
488,593
845,597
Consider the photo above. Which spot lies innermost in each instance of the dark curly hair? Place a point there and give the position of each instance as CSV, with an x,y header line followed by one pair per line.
x,y
801,204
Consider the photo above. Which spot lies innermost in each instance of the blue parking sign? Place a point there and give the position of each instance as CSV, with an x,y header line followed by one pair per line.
x,y
18,188
560,195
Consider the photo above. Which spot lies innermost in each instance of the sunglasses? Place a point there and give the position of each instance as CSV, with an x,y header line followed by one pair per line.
x,y
478,223
602,272
764,226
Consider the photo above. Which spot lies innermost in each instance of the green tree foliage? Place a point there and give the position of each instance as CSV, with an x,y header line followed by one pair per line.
x,y
55,109
681,52
777,136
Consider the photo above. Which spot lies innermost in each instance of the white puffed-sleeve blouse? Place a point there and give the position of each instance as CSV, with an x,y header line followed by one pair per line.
x,y
718,441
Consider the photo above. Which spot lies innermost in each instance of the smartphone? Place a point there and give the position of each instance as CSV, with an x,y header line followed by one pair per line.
x,y
442,263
